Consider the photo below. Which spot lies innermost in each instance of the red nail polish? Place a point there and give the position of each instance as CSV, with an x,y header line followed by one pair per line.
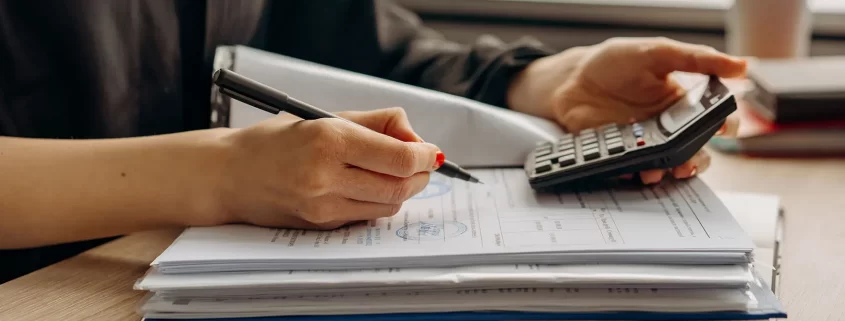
x,y
440,159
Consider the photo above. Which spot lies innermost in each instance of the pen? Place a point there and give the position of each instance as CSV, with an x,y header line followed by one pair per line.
x,y
273,101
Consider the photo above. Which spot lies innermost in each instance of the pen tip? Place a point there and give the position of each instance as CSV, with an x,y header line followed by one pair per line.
x,y
475,180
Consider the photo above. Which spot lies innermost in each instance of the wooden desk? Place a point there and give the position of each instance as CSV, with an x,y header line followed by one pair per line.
x,y
97,285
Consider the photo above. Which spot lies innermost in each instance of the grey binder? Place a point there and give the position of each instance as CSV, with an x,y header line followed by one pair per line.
x,y
470,133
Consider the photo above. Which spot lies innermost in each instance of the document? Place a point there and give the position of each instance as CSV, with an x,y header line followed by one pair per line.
x,y
503,299
760,216
501,222
274,283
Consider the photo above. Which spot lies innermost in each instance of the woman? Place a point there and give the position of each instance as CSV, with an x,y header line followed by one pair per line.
x,y
105,103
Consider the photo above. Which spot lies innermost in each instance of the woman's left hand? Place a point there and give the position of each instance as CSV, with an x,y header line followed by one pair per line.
x,y
621,80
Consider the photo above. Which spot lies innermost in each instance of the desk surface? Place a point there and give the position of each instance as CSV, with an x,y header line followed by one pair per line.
x,y
97,285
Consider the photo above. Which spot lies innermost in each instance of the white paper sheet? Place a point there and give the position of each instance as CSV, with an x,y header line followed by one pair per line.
x,y
457,223
228,284
759,214
509,299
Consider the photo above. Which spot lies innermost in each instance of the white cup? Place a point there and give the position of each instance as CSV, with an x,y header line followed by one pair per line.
x,y
769,29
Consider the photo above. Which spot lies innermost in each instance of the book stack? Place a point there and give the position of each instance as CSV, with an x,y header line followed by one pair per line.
x,y
793,108
461,251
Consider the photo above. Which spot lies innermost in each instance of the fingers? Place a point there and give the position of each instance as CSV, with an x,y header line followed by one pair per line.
x,y
697,164
362,185
652,176
333,210
389,121
584,116
730,128
694,166
669,55
380,153
364,211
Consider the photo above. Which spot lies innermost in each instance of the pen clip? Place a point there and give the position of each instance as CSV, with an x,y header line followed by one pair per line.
x,y
247,100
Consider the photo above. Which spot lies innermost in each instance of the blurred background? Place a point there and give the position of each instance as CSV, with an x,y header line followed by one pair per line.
x,y
566,23
792,102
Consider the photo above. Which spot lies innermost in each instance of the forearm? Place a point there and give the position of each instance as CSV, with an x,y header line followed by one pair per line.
x,y
479,70
56,191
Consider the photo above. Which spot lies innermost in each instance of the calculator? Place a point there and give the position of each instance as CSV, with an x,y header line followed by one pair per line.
x,y
664,141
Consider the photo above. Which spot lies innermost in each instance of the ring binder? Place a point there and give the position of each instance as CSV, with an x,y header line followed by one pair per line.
x,y
224,58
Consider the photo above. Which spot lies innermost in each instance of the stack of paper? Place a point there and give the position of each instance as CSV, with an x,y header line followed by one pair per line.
x,y
483,252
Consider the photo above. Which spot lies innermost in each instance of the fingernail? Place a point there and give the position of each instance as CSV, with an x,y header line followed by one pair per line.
x,y
440,158
721,130
694,171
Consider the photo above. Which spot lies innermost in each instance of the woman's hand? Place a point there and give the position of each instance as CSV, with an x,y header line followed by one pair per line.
x,y
621,80
324,173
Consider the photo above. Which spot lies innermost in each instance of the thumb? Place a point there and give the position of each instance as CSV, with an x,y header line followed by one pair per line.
x,y
668,55
392,122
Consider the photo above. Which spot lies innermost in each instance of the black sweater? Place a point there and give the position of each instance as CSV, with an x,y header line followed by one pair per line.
x,y
118,68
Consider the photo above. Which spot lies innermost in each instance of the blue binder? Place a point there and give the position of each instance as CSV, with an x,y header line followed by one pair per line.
x,y
497,316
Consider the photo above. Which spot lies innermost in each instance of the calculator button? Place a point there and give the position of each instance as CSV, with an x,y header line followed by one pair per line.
x,y
637,129
568,151
553,157
591,154
588,140
543,167
612,135
613,140
615,148
564,140
542,152
543,144
547,158
565,146
640,141
566,160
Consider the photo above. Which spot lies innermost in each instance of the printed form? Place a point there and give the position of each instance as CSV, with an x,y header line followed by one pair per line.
x,y
452,217
506,212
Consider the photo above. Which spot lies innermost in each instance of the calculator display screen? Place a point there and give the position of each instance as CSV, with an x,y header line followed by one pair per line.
x,y
684,111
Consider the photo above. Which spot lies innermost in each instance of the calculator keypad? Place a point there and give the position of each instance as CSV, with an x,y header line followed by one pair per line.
x,y
590,145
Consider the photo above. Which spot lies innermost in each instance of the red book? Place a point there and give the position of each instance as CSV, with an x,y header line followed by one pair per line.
x,y
758,136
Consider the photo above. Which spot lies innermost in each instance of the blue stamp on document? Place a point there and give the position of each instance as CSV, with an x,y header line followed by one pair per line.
x,y
438,185
423,231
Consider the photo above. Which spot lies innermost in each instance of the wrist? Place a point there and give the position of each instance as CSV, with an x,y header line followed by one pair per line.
x,y
211,158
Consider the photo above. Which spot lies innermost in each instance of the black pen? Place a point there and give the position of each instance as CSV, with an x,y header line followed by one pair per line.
x,y
273,101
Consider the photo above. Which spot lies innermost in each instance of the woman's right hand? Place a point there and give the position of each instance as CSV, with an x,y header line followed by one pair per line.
x,y
288,172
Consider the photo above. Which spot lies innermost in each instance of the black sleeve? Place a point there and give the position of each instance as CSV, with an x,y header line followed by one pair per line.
x,y
415,54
